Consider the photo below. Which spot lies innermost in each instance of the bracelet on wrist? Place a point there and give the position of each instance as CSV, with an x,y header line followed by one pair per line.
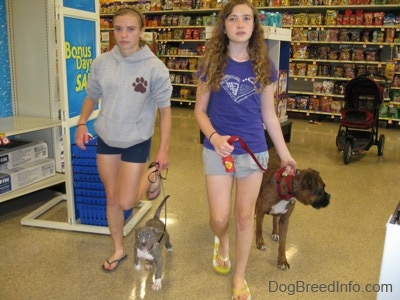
x,y
209,138
82,124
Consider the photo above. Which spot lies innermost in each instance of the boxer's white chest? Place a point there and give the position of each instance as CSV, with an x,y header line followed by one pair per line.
x,y
144,254
281,207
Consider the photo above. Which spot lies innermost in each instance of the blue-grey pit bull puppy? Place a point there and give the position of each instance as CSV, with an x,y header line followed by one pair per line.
x,y
148,245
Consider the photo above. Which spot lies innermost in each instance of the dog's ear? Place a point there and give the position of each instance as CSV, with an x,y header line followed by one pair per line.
x,y
308,180
315,171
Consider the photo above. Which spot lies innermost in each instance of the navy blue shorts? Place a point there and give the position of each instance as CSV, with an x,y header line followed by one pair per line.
x,y
139,153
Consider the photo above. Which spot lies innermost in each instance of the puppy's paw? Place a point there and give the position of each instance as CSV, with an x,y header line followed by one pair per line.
x,y
138,266
156,285
148,265
275,237
169,249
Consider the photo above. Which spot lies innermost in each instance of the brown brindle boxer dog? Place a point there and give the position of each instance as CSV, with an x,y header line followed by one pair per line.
x,y
277,197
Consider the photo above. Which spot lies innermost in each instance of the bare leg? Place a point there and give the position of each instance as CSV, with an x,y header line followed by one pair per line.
x,y
246,196
219,190
109,167
125,184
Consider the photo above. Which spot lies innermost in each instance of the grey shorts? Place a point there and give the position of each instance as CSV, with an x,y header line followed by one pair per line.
x,y
244,163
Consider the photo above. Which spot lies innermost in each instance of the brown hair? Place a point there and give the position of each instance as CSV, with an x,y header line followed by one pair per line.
x,y
213,63
132,11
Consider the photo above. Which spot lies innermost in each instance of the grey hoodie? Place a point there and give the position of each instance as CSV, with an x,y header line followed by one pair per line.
x,y
130,88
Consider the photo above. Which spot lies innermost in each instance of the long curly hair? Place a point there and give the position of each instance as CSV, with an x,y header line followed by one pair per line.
x,y
212,65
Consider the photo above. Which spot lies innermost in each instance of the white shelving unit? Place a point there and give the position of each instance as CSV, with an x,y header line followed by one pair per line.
x,y
41,102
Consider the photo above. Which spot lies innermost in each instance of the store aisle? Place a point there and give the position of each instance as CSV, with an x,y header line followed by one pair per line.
x,y
339,246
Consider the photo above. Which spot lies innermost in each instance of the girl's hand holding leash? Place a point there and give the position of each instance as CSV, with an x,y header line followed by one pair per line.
x,y
82,136
290,165
221,145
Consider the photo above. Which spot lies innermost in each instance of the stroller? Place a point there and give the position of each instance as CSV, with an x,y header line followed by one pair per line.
x,y
358,128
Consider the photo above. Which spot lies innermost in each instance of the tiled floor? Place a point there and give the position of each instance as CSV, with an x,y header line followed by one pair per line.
x,y
339,246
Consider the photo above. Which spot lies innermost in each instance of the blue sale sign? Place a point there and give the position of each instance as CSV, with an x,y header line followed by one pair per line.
x,y
86,5
80,51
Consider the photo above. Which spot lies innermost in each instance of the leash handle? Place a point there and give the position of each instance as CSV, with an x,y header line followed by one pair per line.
x,y
243,144
227,161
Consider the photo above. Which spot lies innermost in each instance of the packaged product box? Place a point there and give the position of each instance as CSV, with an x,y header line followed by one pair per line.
x,y
282,107
24,175
282,82
20,152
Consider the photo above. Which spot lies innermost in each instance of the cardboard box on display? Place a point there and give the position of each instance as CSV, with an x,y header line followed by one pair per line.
x,y
20,152
26,174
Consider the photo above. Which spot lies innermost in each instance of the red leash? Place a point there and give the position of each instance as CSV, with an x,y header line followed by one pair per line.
x,y
235,138
288,179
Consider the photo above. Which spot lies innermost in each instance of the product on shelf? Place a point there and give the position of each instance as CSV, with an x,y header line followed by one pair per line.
x,y
26,174
20,152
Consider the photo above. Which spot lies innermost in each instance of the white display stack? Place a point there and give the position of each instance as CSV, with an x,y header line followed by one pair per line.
x,y
40,101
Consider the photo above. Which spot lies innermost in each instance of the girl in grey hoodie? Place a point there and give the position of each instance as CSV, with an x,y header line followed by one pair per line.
x,y
130,83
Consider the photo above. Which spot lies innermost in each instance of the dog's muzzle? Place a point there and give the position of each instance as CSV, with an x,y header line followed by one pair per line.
x,y
322,201
143,246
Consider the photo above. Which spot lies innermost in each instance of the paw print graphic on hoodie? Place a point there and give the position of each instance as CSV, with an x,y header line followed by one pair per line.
x,y
140,85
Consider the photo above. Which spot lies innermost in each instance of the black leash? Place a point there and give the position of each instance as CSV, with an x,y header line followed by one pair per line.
x,y
165,219
161,178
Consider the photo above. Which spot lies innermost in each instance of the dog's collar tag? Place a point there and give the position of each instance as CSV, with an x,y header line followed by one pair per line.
x,y
288,179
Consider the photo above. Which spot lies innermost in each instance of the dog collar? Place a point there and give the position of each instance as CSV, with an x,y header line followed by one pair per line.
x,y
288,179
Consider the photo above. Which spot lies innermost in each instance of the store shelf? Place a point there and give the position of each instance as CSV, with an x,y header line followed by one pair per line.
x,y
183,100
180,41
308,112
315,94
181,56
23,124
311,26
316,60
380,44
184,84
374,41
54,180
366,7
162,28
182,71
